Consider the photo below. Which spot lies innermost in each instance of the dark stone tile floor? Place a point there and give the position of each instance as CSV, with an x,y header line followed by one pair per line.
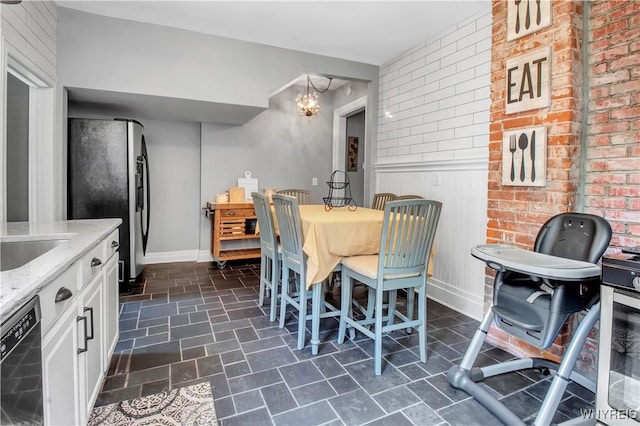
x,y
188,322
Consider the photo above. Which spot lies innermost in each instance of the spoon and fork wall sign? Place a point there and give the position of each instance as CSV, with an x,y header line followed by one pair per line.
x,y
524,157
527,16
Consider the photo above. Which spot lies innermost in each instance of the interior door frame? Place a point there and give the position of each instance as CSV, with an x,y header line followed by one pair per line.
x,y
340,135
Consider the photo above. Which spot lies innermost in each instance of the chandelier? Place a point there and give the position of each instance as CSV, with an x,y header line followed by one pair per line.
x,y
307,104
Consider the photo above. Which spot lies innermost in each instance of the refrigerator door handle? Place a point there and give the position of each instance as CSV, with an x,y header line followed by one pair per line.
x,y
145,173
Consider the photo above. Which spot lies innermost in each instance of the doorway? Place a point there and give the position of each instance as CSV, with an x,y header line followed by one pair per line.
x,y
349,146
17,150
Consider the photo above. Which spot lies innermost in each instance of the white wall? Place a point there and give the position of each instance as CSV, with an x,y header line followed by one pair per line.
x,y
30,28
433,136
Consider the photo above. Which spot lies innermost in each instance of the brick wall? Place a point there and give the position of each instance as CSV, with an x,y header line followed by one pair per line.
x,y
612,160
434,98
31,29
612,187
601,175
516,212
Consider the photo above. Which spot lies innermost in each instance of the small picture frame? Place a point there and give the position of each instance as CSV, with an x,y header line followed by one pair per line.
x,y
352,154
524,157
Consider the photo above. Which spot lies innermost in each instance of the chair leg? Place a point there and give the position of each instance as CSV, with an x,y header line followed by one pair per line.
x,y
422,317
378,335
411,296
284,294
345,304
263,277
392,297
275,273
302,313
371,302
317,305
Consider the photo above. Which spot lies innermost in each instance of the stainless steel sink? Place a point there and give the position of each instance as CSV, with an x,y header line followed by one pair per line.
x,y
14,254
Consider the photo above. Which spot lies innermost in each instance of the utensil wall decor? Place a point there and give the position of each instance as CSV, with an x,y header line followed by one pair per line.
x,y
524,157
527,16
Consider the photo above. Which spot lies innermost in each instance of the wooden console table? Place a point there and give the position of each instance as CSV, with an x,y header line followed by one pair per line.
x,y
233,226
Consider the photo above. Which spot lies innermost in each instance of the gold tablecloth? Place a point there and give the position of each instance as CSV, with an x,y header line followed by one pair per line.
x,y
331,235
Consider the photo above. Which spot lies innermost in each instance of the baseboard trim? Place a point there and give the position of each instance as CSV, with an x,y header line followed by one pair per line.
x,y
205,256
455,298
171,256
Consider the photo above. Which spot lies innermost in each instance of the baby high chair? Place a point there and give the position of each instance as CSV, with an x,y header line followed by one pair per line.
x,y
534,294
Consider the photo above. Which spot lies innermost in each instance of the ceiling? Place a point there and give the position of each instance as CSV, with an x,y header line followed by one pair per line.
x,y
372,32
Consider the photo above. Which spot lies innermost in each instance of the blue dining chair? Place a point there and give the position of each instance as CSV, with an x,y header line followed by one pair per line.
x,y
294,261
408,230
270,253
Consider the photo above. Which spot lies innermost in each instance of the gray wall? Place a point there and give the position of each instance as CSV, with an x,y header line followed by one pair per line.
x,y
125,56
174,170
280,148
17,150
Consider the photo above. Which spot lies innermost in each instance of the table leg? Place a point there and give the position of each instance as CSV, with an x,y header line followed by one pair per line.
x,y
316,307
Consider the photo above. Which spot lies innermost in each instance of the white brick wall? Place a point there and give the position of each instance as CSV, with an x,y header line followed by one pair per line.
x,y
434,98
31,29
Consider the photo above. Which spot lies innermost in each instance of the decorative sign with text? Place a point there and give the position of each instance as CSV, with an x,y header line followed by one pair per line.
x,y
528,80
527,16
524,157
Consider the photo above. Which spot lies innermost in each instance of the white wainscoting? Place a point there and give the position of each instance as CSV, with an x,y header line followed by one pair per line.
x,y
461,186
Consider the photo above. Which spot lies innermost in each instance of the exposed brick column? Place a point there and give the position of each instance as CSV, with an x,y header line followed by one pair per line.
x,y
613,155
516,213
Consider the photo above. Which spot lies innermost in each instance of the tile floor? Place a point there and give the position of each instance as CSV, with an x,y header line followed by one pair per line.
x,y
191,322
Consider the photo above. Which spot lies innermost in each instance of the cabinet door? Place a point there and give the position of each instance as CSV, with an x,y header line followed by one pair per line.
x,y
91,343
60,372
112,307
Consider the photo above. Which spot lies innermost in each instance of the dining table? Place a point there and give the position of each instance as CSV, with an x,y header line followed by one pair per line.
x,y
331,234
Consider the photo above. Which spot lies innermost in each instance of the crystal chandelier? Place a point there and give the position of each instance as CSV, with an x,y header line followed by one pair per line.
x,y
307,104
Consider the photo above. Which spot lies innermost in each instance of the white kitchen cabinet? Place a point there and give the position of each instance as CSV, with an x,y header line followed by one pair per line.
x,y
112,296
61,372
82,333
91,342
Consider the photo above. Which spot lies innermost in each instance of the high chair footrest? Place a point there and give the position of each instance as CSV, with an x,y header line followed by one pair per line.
x,y
522,320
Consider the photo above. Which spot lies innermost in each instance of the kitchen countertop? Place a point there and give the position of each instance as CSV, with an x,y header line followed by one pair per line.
x,y
20,284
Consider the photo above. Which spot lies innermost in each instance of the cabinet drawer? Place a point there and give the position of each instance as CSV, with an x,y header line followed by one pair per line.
x,y
91,263
65,289
112,243
237,213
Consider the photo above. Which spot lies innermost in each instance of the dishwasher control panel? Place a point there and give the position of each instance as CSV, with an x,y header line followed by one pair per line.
x,y
17,327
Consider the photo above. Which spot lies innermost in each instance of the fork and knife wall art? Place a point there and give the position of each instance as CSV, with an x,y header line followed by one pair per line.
x,y
524,157
527,16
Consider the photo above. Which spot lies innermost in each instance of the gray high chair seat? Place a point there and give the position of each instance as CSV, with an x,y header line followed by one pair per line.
x,y
534,301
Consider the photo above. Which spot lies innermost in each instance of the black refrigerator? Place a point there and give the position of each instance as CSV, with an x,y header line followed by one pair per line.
x,y
108,177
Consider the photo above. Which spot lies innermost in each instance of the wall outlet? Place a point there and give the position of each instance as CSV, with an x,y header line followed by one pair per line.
x,y
436,179
314,181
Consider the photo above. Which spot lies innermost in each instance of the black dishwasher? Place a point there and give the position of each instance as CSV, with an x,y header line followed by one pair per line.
x,y
21,367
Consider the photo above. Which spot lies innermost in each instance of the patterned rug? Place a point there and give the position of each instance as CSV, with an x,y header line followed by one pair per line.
x,y
190,406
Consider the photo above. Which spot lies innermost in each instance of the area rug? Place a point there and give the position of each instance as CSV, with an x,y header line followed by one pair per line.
x,y
189,406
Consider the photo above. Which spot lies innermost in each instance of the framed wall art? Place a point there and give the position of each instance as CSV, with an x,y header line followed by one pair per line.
x,y
352,154
526,17
524,157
